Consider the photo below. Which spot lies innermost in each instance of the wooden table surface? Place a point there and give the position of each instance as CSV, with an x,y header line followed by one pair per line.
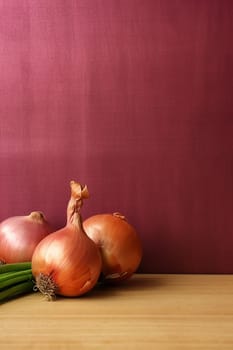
x,y
148,312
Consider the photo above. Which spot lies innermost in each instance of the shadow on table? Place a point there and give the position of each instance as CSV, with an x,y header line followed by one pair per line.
x,y
136,283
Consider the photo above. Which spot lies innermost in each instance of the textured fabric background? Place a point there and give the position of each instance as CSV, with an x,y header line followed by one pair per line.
x,y
134,99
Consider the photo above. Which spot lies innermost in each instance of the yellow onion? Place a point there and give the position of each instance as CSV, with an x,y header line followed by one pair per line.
x,y
67,262
119,244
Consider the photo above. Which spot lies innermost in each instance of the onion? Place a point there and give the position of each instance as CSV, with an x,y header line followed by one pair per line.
x,y
67,262
119,244
19,235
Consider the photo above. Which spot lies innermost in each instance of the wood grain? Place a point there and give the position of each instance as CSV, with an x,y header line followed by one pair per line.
x,y
148,312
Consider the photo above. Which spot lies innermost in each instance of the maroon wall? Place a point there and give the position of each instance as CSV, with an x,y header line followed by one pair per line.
x,y
133,98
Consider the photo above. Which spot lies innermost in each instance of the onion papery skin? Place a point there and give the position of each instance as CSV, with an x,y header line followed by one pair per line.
x,y
67,262
19,236
71,261
119,245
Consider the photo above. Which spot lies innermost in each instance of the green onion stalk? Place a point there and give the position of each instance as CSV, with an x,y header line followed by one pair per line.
x,y
16,279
